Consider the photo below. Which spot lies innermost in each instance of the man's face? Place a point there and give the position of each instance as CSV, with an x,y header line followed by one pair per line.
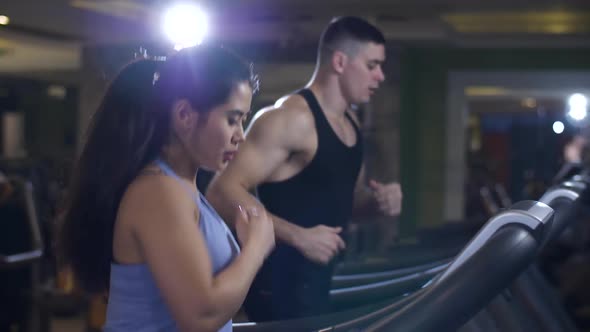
x,y
363,73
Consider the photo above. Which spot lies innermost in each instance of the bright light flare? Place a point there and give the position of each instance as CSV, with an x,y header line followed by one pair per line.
x,y
185,25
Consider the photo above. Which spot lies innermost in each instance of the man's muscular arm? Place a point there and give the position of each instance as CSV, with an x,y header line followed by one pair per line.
x,y
271,139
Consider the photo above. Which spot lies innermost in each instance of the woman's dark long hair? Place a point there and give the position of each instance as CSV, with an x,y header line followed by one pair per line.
x,y
126,133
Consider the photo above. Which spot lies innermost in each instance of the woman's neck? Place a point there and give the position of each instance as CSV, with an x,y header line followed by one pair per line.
x,y
180,162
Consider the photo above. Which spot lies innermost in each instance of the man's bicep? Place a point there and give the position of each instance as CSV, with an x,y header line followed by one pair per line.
x,y
258,157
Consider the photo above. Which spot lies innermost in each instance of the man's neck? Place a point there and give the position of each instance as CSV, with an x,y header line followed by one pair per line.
x,y
329,95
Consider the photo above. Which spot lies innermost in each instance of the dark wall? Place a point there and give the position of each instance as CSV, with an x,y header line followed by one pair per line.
x,y
50,122
423,100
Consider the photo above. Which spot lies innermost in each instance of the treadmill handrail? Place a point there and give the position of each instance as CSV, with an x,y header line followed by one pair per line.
x,y
569,190
532,214
36,251
369,278
564,199
311,323
32,214
363,294
20,258
523,233
386,283
583,176
375,315
453,301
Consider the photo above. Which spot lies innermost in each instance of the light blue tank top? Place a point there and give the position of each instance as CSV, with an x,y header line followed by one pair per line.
x,y
135,302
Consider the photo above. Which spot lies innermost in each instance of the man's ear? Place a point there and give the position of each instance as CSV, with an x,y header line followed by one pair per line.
x,y
339,61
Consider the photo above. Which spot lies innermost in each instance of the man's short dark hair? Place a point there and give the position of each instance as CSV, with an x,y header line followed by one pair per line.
x,y
344,33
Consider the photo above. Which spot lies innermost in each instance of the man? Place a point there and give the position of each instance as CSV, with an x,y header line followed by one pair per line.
x,y
574,149
304,156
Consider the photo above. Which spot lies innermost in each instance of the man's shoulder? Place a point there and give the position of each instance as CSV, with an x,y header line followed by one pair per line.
x,y
290,111
292,101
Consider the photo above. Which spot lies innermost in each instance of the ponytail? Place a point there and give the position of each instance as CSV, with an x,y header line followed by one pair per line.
x,y
119,143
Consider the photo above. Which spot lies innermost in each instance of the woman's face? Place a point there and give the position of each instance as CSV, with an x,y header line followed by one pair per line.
x,y
217,134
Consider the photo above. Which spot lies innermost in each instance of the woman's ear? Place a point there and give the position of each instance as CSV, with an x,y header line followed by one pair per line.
x,y
183,115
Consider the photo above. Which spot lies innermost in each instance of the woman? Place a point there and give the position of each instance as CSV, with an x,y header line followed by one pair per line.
x,y
136,224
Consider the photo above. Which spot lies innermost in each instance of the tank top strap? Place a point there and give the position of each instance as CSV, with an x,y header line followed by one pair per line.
x,y
357,129
206,205
321,122
170,172
199,200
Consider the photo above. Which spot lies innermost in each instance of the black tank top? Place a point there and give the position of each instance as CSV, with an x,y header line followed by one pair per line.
x,y
321,193
288,285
